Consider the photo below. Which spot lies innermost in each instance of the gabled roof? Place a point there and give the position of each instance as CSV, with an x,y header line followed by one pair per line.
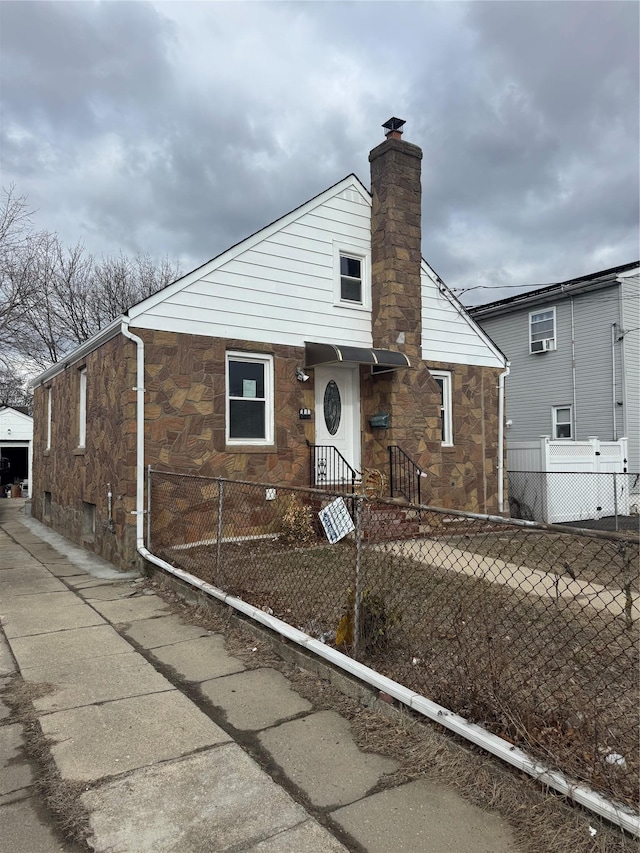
x,y
351,181
21,411
464,313
103,335
561,290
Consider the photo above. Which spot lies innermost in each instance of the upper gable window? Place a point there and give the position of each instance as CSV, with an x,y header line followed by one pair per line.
x,y
351,277
249,398
542,331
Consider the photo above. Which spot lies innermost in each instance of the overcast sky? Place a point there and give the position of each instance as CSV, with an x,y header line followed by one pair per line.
x,y
179,128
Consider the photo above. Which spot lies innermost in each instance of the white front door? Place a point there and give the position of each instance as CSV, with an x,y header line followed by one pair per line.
x,y
337,417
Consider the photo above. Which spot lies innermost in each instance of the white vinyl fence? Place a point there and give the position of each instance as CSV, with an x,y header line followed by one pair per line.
x,y
559,487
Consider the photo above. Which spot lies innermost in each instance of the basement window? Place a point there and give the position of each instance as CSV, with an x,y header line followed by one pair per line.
x,y
88,521
46,509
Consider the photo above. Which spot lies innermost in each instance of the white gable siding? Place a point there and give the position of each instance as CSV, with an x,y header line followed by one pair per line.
x,y
448,335
279,289
15,426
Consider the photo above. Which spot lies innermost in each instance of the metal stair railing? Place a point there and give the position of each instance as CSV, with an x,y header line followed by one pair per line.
x,y
404,475
328,467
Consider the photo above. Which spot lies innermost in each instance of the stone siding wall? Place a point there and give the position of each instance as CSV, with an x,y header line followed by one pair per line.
x,y
185,432
185,420
186,404
464,476
74,477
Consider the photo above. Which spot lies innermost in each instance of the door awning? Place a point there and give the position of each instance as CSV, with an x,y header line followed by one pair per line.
x,y
379,359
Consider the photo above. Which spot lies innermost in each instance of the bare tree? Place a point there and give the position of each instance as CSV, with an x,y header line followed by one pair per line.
x,y
117,283
14,390
53,298
40,334
16,285
15,220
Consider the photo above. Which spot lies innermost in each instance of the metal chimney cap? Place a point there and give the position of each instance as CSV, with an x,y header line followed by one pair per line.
x,y
394,125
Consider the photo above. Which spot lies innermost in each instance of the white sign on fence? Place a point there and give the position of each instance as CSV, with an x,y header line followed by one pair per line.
x,y
336,520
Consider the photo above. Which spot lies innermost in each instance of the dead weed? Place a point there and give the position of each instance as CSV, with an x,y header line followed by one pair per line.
x,y
61,797
542,821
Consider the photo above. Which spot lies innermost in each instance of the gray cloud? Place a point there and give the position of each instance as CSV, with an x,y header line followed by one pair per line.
x,y
180,128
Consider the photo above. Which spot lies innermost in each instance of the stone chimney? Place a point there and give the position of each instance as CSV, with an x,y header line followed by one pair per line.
x,y
396,243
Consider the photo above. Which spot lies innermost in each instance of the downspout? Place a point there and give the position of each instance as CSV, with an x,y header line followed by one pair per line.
x,y
573,373
30,469
613,380
139,389
501,442
110,525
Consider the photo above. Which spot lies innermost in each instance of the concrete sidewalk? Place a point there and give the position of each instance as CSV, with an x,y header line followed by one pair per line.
x,y
154,724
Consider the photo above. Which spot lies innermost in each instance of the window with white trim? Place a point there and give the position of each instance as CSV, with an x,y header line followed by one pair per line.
x,y
443,380
249,398
351,277
82,407
542,330
562,421
49,400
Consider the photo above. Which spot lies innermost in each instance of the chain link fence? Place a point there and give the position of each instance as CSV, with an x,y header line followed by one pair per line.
x,y
604,500
528,630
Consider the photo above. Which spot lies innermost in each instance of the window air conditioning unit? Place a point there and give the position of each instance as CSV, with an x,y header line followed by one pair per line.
x,y
545,345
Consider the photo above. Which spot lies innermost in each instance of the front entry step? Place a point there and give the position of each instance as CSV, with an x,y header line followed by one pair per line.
x,y
381,522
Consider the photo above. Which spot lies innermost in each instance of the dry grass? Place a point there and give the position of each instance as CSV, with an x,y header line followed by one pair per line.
x,y
557,679
542,822
608,562
61,797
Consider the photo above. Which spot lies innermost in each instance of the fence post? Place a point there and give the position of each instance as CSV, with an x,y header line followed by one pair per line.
x,y
219,543
615,498
149,508
358,591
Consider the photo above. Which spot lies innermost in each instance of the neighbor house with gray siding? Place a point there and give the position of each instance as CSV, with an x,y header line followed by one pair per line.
x,y
575,358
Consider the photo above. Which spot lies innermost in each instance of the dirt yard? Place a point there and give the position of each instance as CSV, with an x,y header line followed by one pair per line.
x,y
549,675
